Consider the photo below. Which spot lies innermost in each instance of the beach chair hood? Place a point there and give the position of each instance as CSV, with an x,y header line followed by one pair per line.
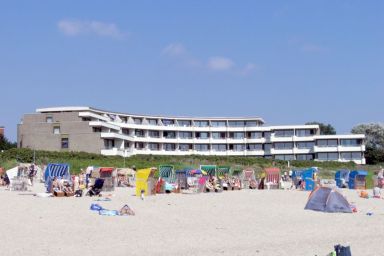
x,y
57,170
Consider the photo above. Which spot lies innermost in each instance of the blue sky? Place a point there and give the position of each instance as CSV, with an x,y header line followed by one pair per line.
x,y
287,61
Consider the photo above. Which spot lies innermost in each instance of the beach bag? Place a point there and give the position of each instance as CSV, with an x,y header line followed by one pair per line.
x,y
343,250
96,207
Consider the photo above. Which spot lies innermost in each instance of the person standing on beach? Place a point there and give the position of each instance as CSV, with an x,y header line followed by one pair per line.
x,y
32,173
88,173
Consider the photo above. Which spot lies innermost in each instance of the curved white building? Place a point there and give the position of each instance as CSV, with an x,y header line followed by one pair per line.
x,y
110,133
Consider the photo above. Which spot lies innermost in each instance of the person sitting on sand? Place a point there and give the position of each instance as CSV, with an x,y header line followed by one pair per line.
x,y
126,210
55,185
66,187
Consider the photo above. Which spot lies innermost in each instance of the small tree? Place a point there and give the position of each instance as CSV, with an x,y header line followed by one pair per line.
x,y
374,137
325,129
5,144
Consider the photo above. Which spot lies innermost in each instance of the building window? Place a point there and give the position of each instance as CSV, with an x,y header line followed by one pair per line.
x,y
56,130
64,142
305,145
254,147
154,134
168,122
154,146
139,133
185,147
169,147
152,121
237,147
185,135
251,123
185,123
236,123
201,147
284,133
219,147
201,123
96,129
108,144
126,144
283,145
351,142
218,135
137,120
326,143
202,135
254,135
305,133
139,145
49,119
218,123
169,134
236,135
304,157
267,135
327,156
285,157
125,131
267,147
350,156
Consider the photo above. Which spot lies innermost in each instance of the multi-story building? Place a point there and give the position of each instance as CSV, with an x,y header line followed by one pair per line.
x,y
110,133
1,131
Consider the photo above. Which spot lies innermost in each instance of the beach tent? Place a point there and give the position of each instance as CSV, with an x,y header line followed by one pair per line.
x,y
145,181
326,199
357,179
342,178
56,170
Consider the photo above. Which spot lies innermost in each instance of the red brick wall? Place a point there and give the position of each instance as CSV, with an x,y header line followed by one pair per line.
x,y
1,131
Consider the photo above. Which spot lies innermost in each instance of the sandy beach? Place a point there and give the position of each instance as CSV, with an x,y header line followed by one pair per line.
x,y
246,222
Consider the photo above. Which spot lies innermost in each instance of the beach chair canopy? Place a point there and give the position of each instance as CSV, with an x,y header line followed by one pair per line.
x,y
272,175
57,170
106,169
222,170
357,179
126,171
165,171
194,172
342,178
326,199
209,169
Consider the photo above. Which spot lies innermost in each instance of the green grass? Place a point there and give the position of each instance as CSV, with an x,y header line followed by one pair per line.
x,y
78,160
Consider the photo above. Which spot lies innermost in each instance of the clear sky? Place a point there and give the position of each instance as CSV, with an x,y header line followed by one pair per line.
x,y
287,61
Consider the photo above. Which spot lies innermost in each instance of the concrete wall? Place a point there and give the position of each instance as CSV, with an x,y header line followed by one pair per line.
x,y
34,132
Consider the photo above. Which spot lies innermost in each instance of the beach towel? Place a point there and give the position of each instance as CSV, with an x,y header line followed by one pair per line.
x,y
103,199
108,212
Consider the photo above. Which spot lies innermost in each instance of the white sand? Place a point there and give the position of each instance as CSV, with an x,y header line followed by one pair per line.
x,y
247,222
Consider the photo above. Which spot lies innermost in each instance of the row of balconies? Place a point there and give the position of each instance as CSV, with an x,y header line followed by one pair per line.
x,y
227,141
129,152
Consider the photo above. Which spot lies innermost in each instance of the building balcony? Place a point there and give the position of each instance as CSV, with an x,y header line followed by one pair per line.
x,y
358,148
318,149
281,139
282,151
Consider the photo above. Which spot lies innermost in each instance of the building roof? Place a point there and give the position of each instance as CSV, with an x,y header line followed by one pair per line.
x,y
82,108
